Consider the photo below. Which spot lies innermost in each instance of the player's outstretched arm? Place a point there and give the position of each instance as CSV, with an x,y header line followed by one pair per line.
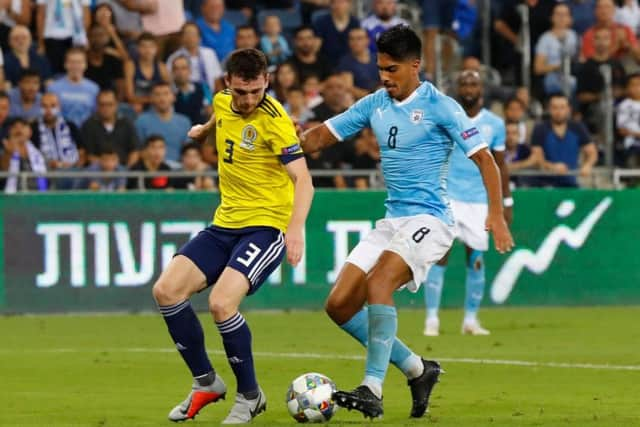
x,y
303,194
507,201
316,138
200,132
495,219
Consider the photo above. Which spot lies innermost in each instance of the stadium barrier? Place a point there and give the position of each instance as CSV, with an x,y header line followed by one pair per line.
x,y
102,252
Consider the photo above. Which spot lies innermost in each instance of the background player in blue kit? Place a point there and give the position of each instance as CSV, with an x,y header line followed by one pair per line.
x,y
416,127
469,208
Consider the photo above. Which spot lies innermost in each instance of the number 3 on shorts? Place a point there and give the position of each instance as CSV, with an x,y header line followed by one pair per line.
x,y
419,234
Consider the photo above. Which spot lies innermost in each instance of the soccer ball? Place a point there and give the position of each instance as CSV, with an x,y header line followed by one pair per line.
x,y
309,398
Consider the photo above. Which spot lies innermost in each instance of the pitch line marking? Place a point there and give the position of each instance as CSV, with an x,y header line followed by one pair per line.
x,y
289,355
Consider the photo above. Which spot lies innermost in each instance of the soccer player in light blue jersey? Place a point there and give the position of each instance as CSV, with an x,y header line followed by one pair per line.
x,y
469,208
416,127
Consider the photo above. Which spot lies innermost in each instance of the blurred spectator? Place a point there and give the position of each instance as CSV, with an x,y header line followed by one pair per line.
x,y
628,14
628,121
204,66
25,99
153,160
284,78
306,57
77,94
296,106
246,37
22,56
308,7
623,40
533,108
591,85
105,131
103,68
437,17
165,23
161,119
383,17
553,47
582,12
559,143
20,155
104,17
127,17
517,156
366,155
311,87
107,162
60,25
360,63
58,140
333,29
12,13
5,107
272,42
515,111
217,33
141,74
190,96
192,162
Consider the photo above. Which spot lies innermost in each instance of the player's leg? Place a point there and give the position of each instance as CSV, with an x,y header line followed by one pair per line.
x,y
474,291
255,255
181,279
432,295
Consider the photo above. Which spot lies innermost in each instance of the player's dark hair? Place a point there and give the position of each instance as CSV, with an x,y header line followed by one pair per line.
x,y
153,138
29,72
248,64
400,43
189,146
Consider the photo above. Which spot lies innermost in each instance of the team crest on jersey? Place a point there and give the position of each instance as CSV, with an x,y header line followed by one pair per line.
x,y
249,135
416,116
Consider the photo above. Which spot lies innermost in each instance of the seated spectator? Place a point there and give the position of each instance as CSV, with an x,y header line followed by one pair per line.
x,y
558,144
306,56
591,85
623,40
366,156
333,29
164,22
192,162
555,46
25,99
517,156
12,14
58,140
77,94
107,162
628,121
21,56
246,37
582,14
217,33
104,17
284,78
308,7
142,73
127,18
153,160
515,111
20,155
205,69
190,96
61,25
273,43
360,63
312,91
5,108
296,106
104,69
106,130
383,17
628,14
162,120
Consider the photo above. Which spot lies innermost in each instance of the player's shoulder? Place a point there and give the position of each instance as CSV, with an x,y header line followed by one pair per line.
x,y
271,107
492,117
222,98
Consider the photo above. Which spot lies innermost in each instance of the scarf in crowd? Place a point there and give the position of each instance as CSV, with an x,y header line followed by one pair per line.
x,y
79,34
38,165
57,143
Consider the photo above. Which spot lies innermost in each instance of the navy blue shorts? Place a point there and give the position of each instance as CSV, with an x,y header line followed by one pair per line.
x,y
253,251
438,13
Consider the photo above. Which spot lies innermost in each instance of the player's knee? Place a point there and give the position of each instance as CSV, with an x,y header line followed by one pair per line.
x,y
162,293
222,308
339,309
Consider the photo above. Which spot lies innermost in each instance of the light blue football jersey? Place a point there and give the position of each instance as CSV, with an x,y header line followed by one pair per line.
x,y
416,137
464,182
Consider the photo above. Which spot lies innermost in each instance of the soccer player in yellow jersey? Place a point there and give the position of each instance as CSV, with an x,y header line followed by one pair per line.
x,y
266,192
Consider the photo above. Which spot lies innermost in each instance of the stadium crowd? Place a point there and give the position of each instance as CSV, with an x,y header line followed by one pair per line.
x,y
114,85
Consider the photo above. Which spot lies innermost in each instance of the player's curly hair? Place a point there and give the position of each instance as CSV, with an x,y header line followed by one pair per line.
x,y
400,43
248,64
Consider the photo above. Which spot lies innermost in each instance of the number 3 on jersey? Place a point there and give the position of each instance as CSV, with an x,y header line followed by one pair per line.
x,y
391,141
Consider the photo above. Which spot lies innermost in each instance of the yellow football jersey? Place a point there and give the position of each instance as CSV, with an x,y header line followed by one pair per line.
x,y
255,188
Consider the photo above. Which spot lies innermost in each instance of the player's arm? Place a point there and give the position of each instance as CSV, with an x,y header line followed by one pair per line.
x,y
317,138
302,197
206,131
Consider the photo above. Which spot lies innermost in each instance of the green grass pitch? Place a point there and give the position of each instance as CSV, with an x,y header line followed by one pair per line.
x,y
540,367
